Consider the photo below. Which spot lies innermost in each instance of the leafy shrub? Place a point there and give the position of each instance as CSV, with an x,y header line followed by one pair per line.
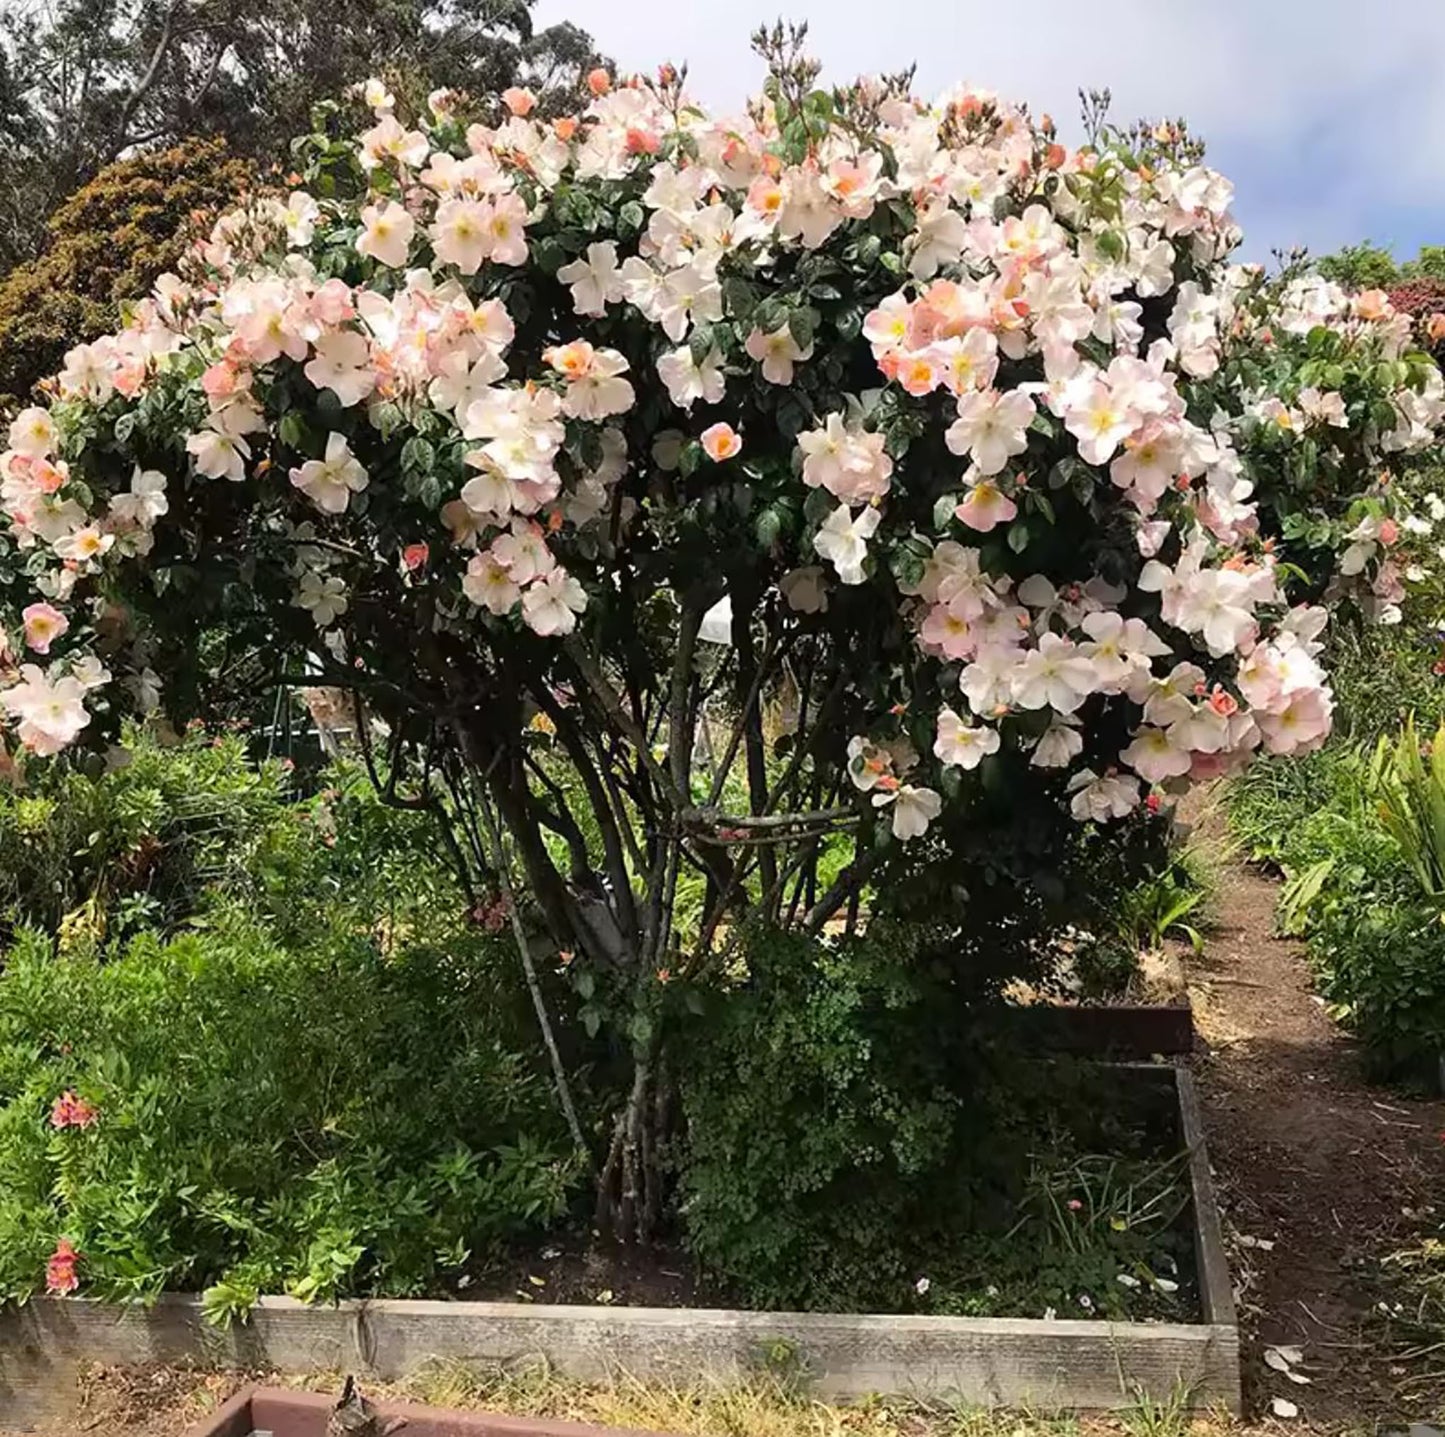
x,y
1384,674
107,243
321,1120
1373,935
102,854
850,1133
1380,958
181,827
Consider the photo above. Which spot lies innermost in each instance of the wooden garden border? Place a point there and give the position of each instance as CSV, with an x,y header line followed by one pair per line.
x,y
1062,1363
1123,1031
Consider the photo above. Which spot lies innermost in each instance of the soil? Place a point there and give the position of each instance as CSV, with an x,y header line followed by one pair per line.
x,y
580,1271
150,1401
1336,1173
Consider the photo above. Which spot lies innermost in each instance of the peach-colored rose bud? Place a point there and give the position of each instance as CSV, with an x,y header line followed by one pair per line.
x,y
721,441
1372,304
599,81
565,127
1223,702
519,101
570,360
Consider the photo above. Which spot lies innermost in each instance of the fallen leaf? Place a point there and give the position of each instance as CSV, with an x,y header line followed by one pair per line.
x,y
1276,1359
1291,1355
1283,1407
536,1281
1298,1377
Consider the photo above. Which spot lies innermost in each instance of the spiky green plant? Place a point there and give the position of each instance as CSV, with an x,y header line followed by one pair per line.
x,y
1408,780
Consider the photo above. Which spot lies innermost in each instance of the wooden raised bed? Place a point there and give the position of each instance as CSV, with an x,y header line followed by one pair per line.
x,y
282,1413
1062,1363
1122,1031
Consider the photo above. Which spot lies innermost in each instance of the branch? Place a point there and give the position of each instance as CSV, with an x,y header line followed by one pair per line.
x,y
210,79
534,987
680,733
151,75
751,723
770,656
849,881
561,822
803,750
613,824
769,827
596,681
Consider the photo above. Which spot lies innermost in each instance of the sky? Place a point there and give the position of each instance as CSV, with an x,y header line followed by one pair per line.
x,y
1329,117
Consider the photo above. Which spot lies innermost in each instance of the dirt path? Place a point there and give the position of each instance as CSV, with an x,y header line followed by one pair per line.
x,y
1335,1173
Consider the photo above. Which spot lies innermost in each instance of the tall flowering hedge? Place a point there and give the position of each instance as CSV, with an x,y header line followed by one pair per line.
x,y
975,446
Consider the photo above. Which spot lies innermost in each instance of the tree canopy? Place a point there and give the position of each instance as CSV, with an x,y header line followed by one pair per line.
x,y
84,82
1370,266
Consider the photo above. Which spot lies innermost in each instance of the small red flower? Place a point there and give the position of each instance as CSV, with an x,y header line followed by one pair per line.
x,y
60,1275
414,557
71,1111
1075,1205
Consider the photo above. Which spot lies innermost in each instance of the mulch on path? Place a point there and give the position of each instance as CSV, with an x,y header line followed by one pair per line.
x,y
1335,1172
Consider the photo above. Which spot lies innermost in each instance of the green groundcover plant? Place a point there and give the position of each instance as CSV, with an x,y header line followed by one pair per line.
x,y
217,1112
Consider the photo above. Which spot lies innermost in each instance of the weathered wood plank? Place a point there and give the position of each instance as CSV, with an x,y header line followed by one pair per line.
x,y
1062,1363
1121,1031
1216,1288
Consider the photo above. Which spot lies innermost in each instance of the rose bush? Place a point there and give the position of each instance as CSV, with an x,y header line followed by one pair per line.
x,y
975,451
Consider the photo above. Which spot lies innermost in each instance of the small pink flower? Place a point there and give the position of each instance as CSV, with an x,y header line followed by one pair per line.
x,y
1223,702
414,557
721,441
492,915
43,625
223,379
71,1111
1389,532
599,81
1075,1205
519,101
60,1277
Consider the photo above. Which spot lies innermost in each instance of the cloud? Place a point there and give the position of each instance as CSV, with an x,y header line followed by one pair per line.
x,y
1328,116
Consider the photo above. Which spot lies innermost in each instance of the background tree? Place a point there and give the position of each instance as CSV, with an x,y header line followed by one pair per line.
x,y
1360,266
1370,266
108,242
83,82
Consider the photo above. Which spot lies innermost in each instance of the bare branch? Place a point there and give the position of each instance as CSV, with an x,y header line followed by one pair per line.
x,y
149,77
534,987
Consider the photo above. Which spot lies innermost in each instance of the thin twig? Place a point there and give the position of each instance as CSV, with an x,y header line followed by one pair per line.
x,y
534,987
